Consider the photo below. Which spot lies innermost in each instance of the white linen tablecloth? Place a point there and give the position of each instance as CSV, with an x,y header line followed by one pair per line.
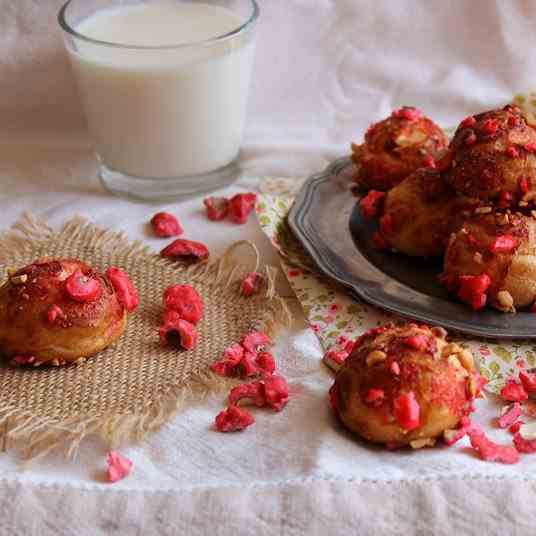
x,y
325,69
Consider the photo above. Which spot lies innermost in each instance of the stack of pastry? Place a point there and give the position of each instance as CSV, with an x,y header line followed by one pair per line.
x,y
473,203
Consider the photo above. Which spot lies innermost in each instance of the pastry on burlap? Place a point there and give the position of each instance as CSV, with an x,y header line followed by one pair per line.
x,y
136,385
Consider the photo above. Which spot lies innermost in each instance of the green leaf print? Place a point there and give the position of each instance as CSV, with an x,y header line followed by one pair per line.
x,y
503,354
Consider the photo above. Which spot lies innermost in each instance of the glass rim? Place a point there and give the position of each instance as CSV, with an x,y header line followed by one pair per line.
x,y
237,31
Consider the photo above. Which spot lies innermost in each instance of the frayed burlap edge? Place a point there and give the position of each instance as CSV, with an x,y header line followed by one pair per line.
x,y
34,436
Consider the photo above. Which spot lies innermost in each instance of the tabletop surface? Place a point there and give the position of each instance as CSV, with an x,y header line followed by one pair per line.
x,y
324,71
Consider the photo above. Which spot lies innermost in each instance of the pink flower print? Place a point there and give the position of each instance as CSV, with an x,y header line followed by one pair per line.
x,y
334,308
484,351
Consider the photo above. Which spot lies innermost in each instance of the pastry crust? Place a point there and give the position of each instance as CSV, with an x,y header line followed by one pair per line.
x,y
409,361
420,214
29,328
397,146
501,246
492,157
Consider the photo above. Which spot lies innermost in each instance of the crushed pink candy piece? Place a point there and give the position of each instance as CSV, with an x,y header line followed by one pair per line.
x,y
276,392
248,391
524,445
528,381
514,392
118,466
180,334
233,419
255,340
252,284
337,355
510,415
248,366
228,365
266,362
54,312
23,359
490,451
515,427
453,436
217,208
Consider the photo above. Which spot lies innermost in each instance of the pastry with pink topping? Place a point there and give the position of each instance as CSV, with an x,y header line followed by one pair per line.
x,y
395,147
58,311
405,386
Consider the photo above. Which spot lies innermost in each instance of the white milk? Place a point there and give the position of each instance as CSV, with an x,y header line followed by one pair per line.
x,y
166,112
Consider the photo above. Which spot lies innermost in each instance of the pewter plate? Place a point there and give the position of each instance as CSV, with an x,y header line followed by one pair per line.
x,y
327,222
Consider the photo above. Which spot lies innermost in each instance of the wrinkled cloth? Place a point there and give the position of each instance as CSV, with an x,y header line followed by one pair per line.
x,y
325,69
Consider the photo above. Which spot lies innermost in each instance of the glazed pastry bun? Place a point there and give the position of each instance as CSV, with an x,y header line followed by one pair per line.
x,y
405,386
57,311
397,146
418,216
492,157
492,260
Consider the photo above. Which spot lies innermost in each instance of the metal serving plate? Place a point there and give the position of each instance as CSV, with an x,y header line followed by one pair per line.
x,y
326,220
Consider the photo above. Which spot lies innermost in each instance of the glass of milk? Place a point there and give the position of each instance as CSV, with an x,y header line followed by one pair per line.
x,y
164,84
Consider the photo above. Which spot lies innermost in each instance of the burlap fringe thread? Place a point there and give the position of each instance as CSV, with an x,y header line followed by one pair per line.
x,y
35,436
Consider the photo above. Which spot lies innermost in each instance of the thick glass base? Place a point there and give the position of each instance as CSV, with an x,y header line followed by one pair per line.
x,y
165,189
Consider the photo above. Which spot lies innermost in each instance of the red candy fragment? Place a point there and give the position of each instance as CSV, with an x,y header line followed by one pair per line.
x,y
233,419
515,427
82,288
490,126
490,451
255,340
375,397
512,151
266,362
510,415
514,392
241,206
468,122
473,290
524,185
54,312
276,392
217,208
503,244
337,354
186,301
165,225
23,360
395,368
248,391
505,199
186,251
407,411
371,204
528,381
252,284
429,162
527,446
170,316
179,333
470,139
386,224
453,436
248,366
124,288
421,343
407,112
118,466
530,147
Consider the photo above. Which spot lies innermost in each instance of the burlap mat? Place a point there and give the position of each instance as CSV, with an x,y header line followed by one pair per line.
x,y
134,387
